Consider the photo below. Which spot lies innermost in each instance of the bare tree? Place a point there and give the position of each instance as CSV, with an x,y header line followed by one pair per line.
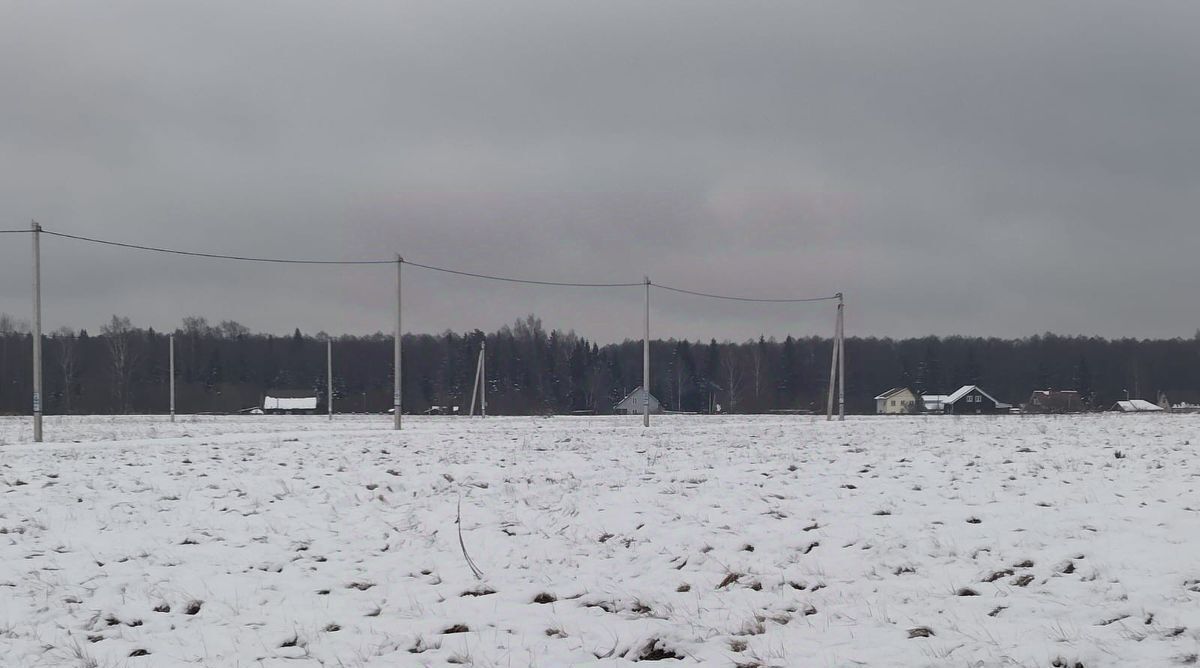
x,y
67,347
119,335
757,361
734,370
232,329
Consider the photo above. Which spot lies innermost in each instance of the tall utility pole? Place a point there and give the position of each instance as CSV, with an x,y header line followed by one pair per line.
x,y
841,358
171,341
396,352
37,331
479,385
646,360
329,377
833,363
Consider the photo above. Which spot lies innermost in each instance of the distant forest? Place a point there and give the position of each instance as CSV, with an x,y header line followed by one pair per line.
x,y
122,368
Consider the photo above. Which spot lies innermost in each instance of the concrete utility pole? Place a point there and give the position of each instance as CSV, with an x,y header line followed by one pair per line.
x,y
329,377
171,340
483,378
475,383
399,334
646,360
841,358
833,363
37,331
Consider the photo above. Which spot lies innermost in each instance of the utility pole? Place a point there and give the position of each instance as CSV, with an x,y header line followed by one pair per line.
x,y
483,378
37,331
841,358
833,363
397,351
475,383
171,341
646,360
329,376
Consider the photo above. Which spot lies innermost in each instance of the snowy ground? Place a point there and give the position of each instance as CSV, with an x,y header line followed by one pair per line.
x,y
773,541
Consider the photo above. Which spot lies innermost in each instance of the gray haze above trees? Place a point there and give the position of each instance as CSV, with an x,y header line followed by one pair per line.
x,y
980,168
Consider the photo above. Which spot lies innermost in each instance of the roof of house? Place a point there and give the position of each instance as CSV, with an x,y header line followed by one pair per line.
x,y
288,394
636,395
1136,406
289,403
967,389
892,392
1047,393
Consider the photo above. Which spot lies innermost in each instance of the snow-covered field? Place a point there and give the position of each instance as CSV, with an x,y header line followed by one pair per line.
x,y
765,541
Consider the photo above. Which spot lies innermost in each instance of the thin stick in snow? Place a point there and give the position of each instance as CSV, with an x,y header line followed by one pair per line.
x,y
458,520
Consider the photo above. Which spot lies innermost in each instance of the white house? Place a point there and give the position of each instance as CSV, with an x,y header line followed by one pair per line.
x,y
897,401
635,401
289,402
934,402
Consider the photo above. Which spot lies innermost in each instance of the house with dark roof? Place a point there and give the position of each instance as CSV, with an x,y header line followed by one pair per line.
x,y
972,400
1055,401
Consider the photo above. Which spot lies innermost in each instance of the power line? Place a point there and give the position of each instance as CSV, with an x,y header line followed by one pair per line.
x,y
746,299
15,231
216,256
429,267
507,279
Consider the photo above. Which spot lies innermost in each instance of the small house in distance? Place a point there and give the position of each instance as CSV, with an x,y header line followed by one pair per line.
x,y
1055,401
634,402
1136,406
289,402
971,400
898,401
933,402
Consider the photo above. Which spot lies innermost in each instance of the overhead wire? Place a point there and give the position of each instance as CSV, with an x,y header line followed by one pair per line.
x,y
508,279
216,256
786,300
429,267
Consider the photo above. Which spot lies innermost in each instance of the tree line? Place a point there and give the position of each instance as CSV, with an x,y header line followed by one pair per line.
x,y
224,367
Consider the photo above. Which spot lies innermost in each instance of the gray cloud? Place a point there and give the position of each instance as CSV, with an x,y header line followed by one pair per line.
x,y
954,168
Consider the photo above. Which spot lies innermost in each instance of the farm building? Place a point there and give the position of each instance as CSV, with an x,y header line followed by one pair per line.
x,y
634,402
1055,401
933,402
289,402
1136,406
971,400
898,401
1180,401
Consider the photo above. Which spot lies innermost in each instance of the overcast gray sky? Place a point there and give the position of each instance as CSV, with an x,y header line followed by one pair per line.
x,y
1001,169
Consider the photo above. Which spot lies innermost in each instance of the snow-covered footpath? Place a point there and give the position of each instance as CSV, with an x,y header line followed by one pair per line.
x,y
764,541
